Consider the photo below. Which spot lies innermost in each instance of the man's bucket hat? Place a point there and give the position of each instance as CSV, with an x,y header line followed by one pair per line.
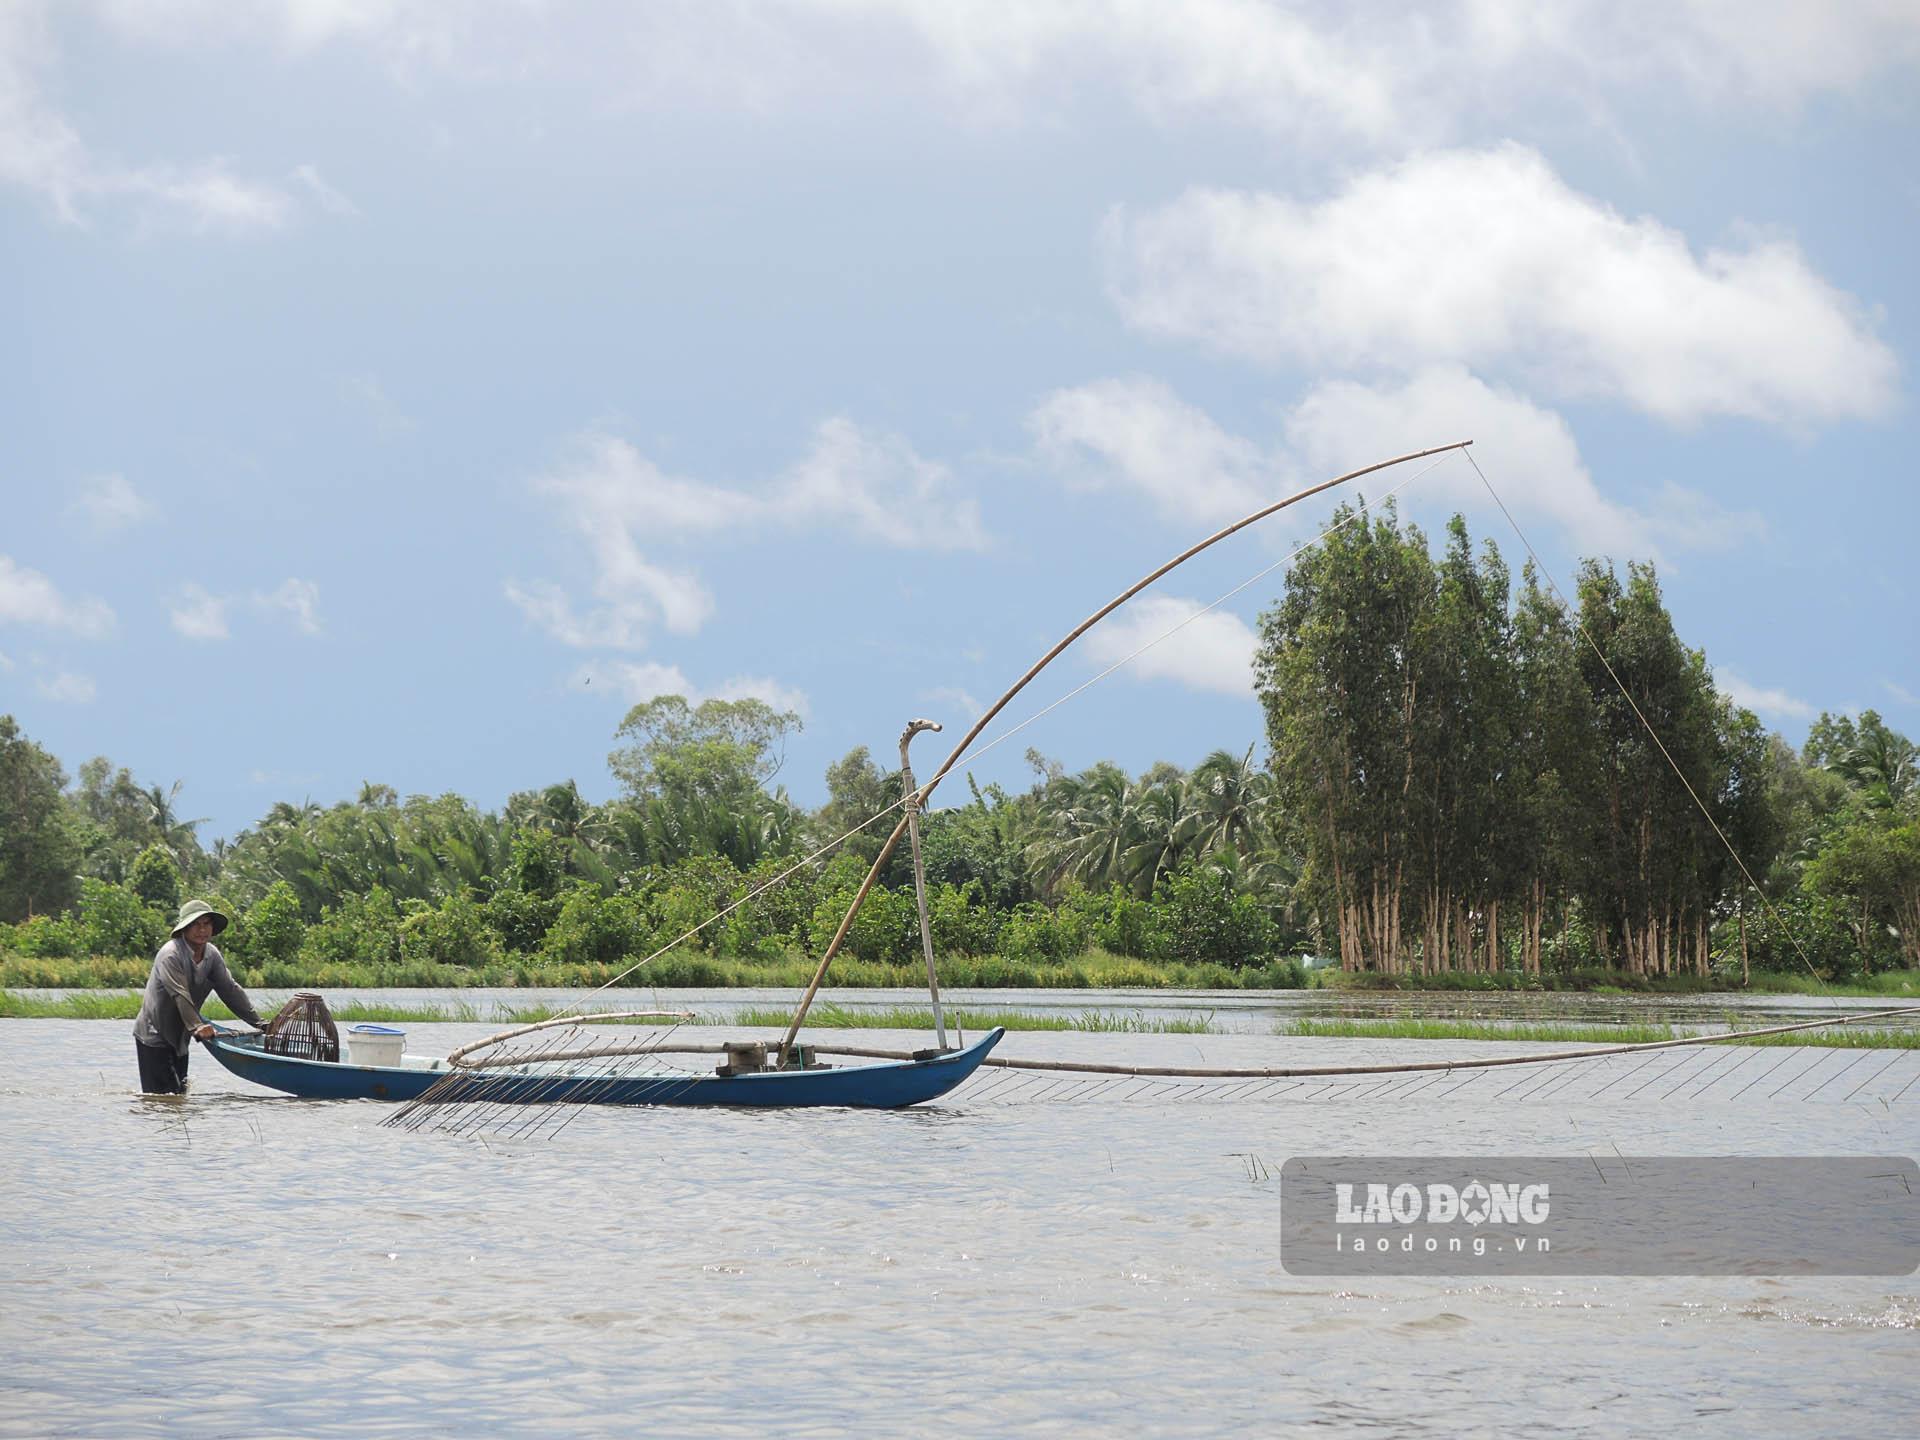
x,y
193,910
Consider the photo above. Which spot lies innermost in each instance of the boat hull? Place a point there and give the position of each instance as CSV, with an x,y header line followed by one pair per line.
x,y
886,1085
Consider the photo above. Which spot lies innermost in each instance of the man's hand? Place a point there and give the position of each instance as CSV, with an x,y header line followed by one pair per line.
x,y
205,1032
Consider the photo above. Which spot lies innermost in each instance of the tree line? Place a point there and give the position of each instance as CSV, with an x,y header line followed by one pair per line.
x,y
1461,777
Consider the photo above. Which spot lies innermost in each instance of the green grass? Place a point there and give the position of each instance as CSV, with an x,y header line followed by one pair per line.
x,y
1840,1037
1339,1029
836,1017
1597,981
125,1006
823,1017
1891,983
681,969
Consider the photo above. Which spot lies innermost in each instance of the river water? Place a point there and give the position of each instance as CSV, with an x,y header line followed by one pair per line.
x,y
238,1263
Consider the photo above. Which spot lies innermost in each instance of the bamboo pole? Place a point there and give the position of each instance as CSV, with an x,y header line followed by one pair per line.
x,y
1080,1067
912,807
1295,1071
993,710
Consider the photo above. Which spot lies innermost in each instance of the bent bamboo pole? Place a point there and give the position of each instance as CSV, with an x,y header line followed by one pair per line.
x,y
1491,1062
987,717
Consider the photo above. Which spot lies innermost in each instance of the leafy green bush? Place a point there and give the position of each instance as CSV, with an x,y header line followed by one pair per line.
x,y
1122,923
538,865
454,933
115,921
1031,935
592,928
961,921
1198,918
360,930
273,925
886,931
692,893
155,878
765,926
50,936
1822,924
521,919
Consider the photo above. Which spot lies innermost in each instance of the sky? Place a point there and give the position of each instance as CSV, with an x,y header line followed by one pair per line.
x,y
398,392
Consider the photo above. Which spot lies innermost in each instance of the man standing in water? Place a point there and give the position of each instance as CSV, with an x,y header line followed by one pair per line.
x,y
186,969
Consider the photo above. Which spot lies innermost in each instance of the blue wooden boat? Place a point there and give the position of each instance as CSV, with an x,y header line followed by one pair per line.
x,y
883,1085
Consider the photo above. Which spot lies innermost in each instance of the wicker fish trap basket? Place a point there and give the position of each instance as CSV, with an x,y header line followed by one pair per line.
x,y
303,1028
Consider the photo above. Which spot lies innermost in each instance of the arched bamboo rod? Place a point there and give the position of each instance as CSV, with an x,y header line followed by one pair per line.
x,y
993,710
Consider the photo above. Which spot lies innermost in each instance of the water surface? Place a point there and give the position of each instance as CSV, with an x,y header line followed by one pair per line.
x,y
237,1263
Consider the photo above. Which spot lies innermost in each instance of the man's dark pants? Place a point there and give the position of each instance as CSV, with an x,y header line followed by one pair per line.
x,y
161,1071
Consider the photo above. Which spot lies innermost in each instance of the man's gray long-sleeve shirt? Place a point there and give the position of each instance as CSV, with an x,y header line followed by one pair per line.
x,y
170,1010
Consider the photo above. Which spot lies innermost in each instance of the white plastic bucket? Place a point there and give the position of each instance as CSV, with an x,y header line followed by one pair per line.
x,y
375,1045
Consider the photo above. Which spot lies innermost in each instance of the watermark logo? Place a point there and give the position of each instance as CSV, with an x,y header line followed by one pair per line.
x,y
1592,1215
1441,1204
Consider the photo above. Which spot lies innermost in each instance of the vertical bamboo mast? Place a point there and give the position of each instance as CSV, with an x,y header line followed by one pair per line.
x,y
993,710
912,807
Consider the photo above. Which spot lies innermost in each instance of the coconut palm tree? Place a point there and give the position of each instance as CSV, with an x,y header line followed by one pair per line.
x,y
169,829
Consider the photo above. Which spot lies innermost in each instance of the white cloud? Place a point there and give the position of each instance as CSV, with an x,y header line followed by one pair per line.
x,y
300,599
1773,52
328,198
1213,652
1384,74
635,681
110,503
197,614
1528,453
1759,699
1486,258
29,598
5,663
1898,692
66,688
613,498
877,484
42,153
1137,432
763,687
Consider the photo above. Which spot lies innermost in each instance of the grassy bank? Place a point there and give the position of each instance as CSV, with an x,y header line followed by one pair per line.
x,y
122,1006
1841,1037
1889,983
835,1017
1094,970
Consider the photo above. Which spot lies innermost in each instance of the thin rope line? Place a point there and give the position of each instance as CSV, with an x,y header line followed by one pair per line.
x,y
1653,734
973,755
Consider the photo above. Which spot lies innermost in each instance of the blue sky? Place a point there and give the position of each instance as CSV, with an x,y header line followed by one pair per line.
x,y
397,392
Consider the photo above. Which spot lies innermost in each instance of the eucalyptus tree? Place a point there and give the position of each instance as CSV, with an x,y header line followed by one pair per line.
x,y
1551,774
1339,674
1658,869
1462,722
